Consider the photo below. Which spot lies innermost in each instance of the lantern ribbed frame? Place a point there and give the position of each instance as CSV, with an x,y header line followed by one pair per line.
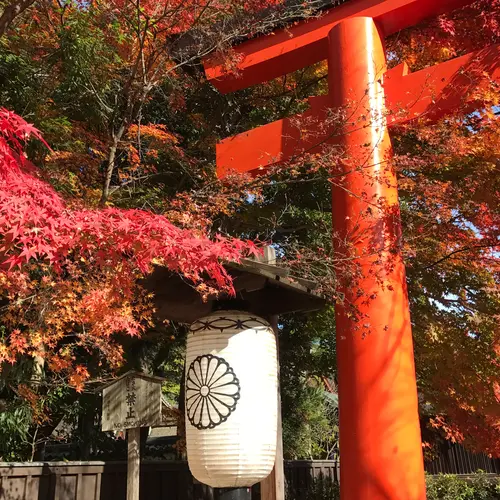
x,y
231,399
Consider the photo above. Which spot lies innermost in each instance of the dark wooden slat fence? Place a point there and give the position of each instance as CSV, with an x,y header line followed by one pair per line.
x,y
455,459
170,480
301,474
97,481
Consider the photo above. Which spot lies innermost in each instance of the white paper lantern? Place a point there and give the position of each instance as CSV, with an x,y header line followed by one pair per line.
x,y
231,399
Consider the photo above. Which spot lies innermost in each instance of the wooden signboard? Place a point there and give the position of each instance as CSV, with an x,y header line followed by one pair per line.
x,y
130,402
133,400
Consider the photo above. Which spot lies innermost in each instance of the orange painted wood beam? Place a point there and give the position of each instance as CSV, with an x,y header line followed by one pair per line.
x,y
381,447
430,93
306,43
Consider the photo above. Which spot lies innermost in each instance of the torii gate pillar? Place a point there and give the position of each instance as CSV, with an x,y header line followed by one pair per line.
x,y
381,451
381,454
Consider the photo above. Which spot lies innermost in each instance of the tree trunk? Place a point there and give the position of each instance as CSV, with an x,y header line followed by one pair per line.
x,y
39,453
86,424
110,166
11,11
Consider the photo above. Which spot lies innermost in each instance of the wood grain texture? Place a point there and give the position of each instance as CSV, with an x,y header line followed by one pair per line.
x,y
134,463
273,487
130,402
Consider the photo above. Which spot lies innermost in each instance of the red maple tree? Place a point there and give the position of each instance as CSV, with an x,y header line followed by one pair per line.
x,y
72,272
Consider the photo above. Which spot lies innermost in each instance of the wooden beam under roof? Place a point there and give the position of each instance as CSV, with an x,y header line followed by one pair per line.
x,y
267,290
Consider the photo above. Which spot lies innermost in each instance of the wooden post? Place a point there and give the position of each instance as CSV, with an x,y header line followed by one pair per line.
x,y
132,402
273,487
134,463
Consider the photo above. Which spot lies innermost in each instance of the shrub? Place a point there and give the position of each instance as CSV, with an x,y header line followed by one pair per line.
x,y
448,487
440,487
321,488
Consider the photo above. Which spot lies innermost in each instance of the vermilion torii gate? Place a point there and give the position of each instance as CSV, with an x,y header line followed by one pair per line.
x,y
381,453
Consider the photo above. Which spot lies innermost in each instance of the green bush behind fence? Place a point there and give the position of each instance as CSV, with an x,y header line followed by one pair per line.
x,y
440,487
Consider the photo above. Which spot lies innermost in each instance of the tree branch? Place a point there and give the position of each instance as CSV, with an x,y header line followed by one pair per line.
x,y
11,11
460,250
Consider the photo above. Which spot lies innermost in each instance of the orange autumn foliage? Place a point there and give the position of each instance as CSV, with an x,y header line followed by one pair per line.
x,y
69,276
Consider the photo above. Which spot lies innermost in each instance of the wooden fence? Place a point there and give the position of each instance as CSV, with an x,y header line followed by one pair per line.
x,y
455,459
300,476
160,480
96,481
170,480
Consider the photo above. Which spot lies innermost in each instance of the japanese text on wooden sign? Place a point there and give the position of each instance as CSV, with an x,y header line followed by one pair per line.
x,y
133,401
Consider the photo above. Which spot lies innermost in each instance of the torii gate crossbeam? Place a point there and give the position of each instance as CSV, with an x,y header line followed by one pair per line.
x,y
381,453
306,43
